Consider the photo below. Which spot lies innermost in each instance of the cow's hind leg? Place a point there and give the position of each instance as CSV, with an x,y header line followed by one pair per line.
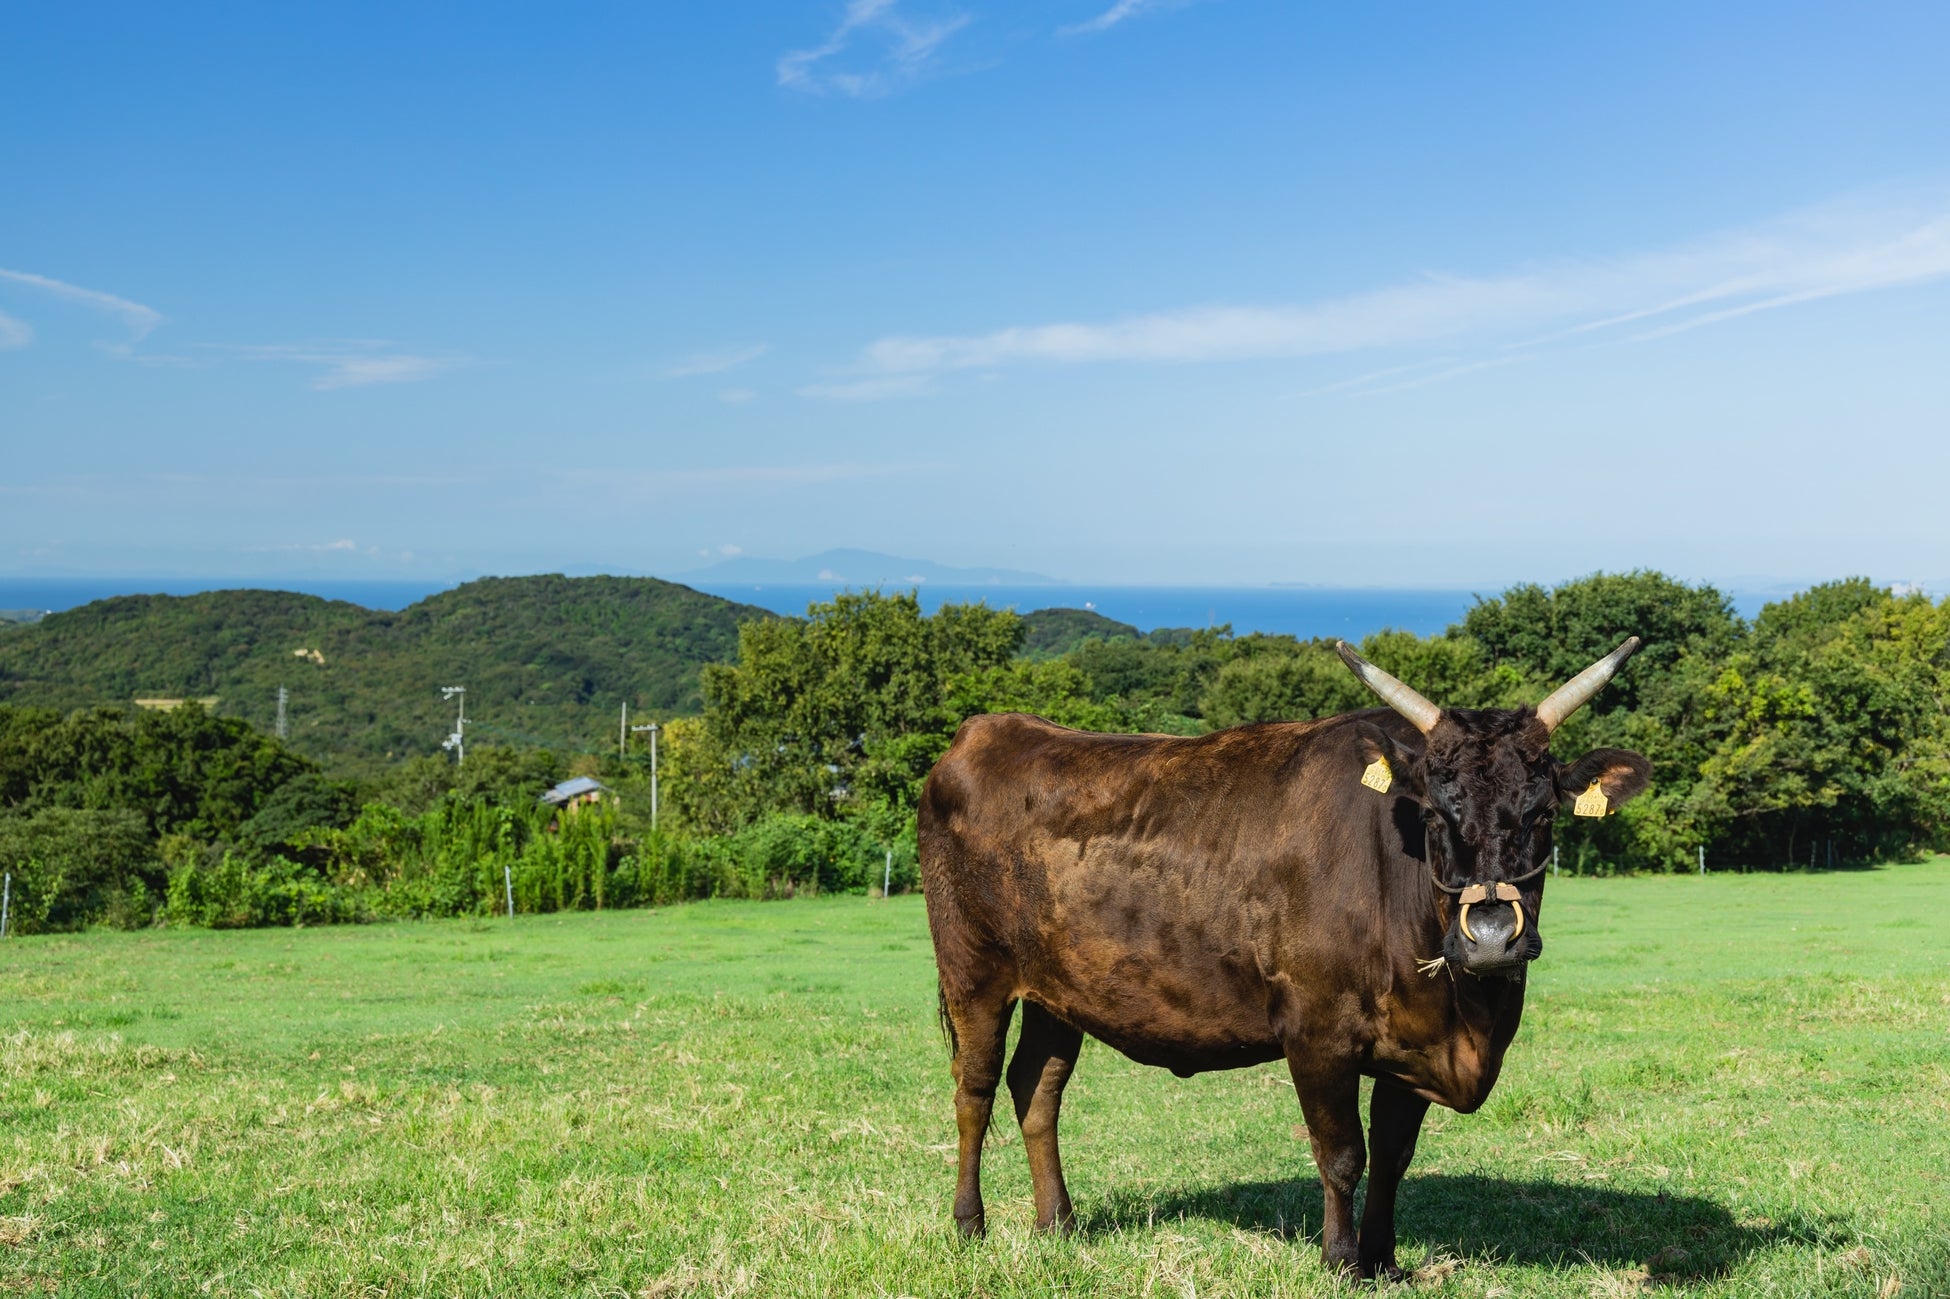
x,y
981,1029
1045,1054
1394,1121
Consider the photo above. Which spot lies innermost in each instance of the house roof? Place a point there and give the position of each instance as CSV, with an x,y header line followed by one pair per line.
x,y
569,789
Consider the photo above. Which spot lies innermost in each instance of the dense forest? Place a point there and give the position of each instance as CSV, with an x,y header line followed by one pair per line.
x,y
547,661
1813,736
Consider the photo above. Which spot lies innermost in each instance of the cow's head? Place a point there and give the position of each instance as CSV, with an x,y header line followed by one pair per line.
x,y
1489,788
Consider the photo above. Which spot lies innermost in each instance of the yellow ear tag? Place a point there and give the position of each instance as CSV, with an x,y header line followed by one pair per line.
x,y
1378,776
1592,802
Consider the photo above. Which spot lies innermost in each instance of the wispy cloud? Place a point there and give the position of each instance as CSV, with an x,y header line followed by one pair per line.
x,y
880,389
349,363
344,545
876,49
1116,14
553,488
1843,249
1368,389
340,364
714,360
737,396
138,319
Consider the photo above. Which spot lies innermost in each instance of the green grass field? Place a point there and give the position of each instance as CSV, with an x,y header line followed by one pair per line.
x,y
1730,1086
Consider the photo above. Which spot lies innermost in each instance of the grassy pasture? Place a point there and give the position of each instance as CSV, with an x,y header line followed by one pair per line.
x,y
1730,1086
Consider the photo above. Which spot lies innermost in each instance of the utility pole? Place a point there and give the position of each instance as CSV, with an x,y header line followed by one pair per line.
x,y
653,728
283,694
458,740
623,732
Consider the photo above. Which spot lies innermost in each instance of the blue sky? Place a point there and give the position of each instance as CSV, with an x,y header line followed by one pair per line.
x,y
1219,291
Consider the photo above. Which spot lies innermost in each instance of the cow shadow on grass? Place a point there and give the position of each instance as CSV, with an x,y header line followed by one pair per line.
x,y
1533,1222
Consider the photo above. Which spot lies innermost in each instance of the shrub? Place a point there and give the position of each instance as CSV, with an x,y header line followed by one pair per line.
x,y
74,867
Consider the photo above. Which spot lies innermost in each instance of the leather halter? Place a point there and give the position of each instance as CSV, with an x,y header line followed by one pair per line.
x,y
1464,888
1470,895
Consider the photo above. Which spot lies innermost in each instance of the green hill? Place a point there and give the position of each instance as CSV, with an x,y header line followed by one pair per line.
x,y
545,660
1052,633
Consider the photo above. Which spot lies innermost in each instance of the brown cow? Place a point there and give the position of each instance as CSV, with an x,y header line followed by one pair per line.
x,y
1240,897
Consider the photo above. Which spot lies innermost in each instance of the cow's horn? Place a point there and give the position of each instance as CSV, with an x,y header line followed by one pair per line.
x,y
1402,698
1577,692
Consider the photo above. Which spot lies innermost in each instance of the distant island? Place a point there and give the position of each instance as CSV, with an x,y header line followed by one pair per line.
x,y
855,568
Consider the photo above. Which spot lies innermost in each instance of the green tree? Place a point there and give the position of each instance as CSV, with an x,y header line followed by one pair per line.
x,y
840,712
72,867
1548,636
182,771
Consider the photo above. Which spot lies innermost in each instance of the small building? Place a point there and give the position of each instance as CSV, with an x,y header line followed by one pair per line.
x,y
575,793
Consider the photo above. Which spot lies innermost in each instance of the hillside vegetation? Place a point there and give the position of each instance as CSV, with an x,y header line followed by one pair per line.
x,y
546,660
1813,736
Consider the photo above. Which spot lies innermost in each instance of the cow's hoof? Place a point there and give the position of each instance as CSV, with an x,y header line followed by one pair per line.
x,y
1384,1270
973,1227
1061,1224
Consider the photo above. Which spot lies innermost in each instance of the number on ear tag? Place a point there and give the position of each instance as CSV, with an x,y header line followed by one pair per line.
x,y
1592,802
1378,776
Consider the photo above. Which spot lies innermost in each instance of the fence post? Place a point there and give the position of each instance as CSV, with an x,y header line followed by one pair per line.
x,y
6,902
1702,859
1553,859
887,877
508,882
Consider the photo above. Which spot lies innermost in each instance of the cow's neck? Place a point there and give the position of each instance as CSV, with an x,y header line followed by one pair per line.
x,y
1467,1022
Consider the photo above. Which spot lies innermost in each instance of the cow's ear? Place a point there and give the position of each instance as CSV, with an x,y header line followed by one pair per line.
x,y
1620,776
1400,769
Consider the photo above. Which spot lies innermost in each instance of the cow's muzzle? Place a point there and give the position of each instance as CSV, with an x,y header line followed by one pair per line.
x,y
1493,934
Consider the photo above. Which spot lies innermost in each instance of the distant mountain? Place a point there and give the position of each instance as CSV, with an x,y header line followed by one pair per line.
x,y
545,660
1052,633
857,568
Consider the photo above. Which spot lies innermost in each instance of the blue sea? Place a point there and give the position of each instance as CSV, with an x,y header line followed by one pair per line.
x,y
1289,610
1306,611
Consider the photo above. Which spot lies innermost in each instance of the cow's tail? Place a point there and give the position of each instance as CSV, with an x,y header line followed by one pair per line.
x,y
947,1021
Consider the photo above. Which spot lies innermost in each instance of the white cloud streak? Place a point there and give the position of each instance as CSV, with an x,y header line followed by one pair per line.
x,y
352,363
1822,254
899,385
903,50
714,361
1116,14
343,545
14,333
139,320
626,487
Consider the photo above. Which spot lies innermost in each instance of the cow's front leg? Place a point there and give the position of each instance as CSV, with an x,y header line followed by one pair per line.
x,y
1330,1098
1394,1121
